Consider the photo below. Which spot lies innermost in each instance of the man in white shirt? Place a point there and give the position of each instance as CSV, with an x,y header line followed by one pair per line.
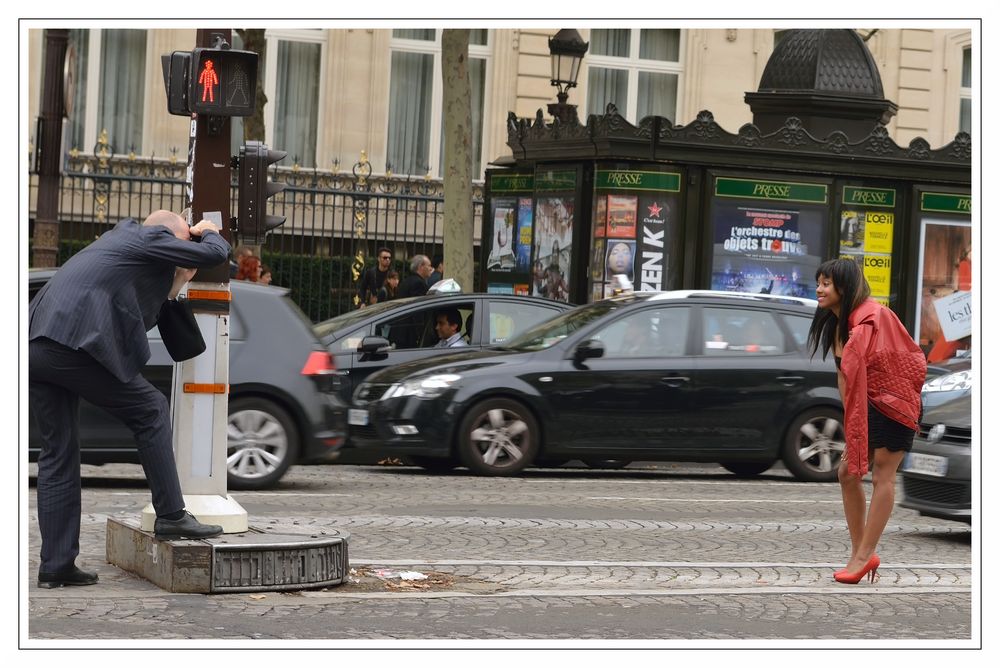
x,y
447,324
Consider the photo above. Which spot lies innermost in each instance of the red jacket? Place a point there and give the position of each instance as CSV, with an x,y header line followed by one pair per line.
x,y
881,364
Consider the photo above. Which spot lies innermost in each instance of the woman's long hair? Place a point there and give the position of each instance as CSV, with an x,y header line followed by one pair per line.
x,y
248,269
853,288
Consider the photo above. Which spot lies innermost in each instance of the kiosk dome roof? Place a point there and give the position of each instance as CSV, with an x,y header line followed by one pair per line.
x,y
828,61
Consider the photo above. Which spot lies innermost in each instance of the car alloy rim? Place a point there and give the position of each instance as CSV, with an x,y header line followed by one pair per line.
x,y
501,437
257,444
821,443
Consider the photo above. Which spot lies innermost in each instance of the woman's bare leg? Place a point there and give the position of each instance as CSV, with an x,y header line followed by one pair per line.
x,y
880,508
853,495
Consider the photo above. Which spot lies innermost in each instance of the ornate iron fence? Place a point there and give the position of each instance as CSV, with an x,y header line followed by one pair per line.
x,y
335,220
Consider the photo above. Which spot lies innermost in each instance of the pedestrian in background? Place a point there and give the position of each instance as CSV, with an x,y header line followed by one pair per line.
x,y
240,253
437,263
374,278
880,372
265,274
249,269
87,339
390,288
415,284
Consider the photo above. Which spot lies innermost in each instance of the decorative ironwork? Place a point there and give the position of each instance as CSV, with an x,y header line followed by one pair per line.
x,y
531,139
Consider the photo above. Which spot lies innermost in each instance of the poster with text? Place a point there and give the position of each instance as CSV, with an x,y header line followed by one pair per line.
x,y
553,246
762,250
601,217
946,270
501,257
597,260
621,216
524,227
657,238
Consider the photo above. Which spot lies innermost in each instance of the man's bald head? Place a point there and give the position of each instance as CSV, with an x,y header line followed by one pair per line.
x,y
171,221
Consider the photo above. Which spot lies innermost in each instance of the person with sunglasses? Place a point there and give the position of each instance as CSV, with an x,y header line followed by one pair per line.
x,y
374,278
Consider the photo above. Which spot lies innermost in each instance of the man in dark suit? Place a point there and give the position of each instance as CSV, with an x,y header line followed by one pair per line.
x,y
415,284
87,338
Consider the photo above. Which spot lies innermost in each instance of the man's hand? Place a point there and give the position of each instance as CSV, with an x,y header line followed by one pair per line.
x,y
181,276
202,227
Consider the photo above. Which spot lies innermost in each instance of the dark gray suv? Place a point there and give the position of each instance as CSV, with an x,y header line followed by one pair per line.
x,y
283,399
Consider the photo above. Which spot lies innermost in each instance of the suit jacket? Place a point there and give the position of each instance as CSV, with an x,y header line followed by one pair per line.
x,y
107,296
412,286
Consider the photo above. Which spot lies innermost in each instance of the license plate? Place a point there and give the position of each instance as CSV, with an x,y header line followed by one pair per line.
x,y
357,417
916,462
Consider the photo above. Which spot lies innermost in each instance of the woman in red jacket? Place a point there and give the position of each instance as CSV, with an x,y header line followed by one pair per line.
x,y
880,373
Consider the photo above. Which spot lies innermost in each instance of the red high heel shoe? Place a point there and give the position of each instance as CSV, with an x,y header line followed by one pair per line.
x,y
870,569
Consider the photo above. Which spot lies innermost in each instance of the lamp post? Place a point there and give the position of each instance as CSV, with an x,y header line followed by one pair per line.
x,y
566,49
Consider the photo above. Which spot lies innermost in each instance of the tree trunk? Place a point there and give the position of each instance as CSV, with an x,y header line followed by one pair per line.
x,y
253,126
457,109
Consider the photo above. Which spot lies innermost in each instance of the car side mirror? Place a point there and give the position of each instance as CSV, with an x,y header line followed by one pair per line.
x,y
588,350
374,344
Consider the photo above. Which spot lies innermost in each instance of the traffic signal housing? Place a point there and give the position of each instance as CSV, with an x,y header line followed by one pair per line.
x,y
212,82
252,220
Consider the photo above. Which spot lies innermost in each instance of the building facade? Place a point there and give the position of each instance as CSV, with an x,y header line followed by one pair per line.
x,y
333,93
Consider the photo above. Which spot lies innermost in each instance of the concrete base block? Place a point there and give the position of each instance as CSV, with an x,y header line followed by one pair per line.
x,y
254,560
209,509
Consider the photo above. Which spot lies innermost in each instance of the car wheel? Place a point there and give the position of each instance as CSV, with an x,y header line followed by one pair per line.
x,y
434,464
498,437
746,469
263,443
606,463
814,445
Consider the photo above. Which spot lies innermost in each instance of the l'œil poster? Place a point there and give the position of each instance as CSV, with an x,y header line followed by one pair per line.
x,y
866,237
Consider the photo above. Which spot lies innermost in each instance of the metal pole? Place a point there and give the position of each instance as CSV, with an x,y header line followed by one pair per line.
x,y
49,141
200,400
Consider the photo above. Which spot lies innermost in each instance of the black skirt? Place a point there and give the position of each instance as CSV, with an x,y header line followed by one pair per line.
x,y
884,432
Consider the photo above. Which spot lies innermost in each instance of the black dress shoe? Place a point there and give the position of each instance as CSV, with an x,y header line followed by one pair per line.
x,y
72,577
185,527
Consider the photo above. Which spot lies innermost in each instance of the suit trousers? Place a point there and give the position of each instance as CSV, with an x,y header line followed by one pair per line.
x,y
57,378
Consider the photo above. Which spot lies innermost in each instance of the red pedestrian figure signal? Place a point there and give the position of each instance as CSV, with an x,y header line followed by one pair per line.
x,y
208,79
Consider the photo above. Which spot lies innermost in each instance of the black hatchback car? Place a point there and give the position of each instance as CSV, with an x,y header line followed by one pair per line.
x,y
674,376
283,401
402,330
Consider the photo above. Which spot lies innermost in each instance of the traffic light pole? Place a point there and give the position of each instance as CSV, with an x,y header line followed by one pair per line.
x,y
200,400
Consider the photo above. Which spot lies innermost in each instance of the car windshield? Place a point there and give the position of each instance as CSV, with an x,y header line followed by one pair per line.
x,y
328,328
551,332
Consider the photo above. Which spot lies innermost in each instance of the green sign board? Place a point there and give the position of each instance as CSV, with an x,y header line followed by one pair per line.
x,y
512,183
813,193
556,180
627,179
870,196
946,203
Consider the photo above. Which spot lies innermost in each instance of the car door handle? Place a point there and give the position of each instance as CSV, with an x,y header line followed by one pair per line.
x,y
342,372
790,380
674,381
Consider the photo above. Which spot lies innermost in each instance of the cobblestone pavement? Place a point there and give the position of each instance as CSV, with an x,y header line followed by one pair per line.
x,y
664,553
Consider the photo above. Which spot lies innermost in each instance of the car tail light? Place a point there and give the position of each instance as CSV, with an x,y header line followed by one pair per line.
x,y
319,363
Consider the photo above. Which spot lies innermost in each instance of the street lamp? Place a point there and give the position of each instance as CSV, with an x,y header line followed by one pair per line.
x,y
567,49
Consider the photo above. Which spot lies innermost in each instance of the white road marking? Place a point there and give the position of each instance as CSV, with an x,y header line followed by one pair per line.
x,y
701,591
242,493
368,561
656,498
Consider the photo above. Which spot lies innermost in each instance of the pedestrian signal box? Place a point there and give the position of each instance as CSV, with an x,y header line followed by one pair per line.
x,y
222,82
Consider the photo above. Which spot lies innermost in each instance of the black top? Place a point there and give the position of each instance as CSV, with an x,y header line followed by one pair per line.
x,y
412,286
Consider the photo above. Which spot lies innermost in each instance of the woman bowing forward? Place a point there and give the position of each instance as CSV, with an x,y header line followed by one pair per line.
x,y
880,374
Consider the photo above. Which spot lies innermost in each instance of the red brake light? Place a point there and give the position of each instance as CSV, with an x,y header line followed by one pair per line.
x,y
319,364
